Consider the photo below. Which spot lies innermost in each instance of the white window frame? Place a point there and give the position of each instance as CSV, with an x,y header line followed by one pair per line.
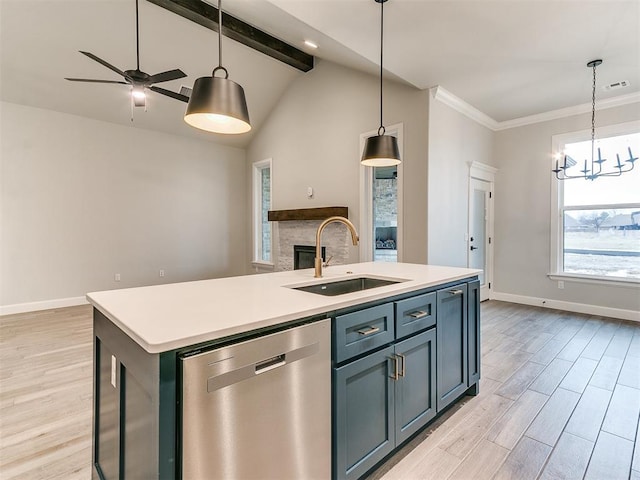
x,y
366,196
557,196
257,209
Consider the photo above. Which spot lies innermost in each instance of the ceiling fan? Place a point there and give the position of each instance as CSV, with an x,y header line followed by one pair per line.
x,y
139,80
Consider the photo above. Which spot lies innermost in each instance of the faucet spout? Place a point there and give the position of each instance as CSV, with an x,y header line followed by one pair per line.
x,y
354,239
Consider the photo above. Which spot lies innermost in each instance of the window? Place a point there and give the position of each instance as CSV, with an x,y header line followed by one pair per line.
x,y
596,229
261,207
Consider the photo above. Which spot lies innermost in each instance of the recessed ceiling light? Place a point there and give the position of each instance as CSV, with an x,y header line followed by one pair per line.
x,y
310,44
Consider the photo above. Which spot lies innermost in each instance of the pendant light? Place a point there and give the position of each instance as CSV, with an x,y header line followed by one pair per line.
x,y
218,104
381,150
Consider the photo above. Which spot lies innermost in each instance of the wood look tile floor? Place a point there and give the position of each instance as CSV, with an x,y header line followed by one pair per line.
x,y
559,399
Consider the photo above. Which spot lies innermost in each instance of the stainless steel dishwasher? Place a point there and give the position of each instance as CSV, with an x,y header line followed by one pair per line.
x,y
259,409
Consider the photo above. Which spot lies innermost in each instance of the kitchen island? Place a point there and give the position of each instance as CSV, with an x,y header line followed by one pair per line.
x,y
141,334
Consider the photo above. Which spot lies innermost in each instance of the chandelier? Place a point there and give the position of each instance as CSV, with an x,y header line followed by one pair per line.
x,y
596,169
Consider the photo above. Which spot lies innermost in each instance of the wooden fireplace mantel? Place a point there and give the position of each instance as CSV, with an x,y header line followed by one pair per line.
x,y
319,213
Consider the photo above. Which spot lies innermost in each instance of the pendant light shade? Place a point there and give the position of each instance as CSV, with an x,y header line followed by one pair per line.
x,y
381,150
218,104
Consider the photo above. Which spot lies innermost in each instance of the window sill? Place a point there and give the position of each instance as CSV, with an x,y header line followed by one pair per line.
x,y
262,265
596,280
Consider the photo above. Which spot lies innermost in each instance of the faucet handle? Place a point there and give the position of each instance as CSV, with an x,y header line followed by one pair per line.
x,y
326,264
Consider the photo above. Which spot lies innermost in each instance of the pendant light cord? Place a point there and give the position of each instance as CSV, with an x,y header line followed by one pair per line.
x,y
137,39
219,33
381,129
220,67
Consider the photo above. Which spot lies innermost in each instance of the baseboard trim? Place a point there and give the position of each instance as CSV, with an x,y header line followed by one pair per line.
x,y
568,306
43,305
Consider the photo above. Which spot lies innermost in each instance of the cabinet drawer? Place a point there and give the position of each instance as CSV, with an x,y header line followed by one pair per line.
x,y
361,331
415,314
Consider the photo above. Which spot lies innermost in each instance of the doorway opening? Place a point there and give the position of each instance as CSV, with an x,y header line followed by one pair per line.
x,y
480,230
385,214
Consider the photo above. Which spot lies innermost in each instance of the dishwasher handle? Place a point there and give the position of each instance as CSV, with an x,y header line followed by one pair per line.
x,y
270,363
264,365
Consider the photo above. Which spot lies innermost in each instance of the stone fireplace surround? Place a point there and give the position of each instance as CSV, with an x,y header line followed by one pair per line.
x,y
335,238
299,227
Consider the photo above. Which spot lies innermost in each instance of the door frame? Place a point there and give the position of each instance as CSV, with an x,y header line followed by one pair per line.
x,y
486,173
366,196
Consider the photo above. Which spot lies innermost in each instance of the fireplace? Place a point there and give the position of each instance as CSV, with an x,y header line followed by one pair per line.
x,y
304,256
386,238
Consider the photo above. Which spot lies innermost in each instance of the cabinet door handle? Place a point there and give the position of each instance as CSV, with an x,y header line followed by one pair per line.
x,y
396,367
404,364
418,314
455,292
369,330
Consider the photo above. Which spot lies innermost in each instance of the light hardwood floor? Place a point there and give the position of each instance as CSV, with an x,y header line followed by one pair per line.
x,y
560,398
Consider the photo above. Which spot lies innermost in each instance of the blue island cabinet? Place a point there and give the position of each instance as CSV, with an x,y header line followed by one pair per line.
x,y
411,369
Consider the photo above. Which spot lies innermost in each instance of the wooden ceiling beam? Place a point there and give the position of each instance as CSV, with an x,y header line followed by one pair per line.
x,y
206,15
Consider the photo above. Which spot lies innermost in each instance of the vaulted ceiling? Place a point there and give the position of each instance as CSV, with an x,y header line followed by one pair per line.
x,y
507,58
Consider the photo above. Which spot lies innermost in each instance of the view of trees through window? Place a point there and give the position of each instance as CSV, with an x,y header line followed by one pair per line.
x,y
601,217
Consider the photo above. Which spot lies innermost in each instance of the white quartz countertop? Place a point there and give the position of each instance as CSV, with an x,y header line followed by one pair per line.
x,y
165,317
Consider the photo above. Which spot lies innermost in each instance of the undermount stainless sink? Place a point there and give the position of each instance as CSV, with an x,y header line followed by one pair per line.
x,y
341,287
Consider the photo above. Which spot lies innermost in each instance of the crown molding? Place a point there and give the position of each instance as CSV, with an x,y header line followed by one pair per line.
x,y
448,98
569,111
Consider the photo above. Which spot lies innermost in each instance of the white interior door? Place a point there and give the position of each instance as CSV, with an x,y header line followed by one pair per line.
x,y
480,228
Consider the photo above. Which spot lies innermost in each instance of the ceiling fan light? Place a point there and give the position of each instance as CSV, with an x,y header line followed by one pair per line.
x,y
139,97
218,105
381,151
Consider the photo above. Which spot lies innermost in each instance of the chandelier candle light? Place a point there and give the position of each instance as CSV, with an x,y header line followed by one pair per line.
x,y
381,150
596,164
218,104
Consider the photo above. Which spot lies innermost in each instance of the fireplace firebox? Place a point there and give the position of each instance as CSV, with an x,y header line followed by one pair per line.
x,y
304,256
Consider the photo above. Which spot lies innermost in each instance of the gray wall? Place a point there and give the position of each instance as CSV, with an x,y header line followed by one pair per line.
x,y
313,137
522,213
82,200
454,141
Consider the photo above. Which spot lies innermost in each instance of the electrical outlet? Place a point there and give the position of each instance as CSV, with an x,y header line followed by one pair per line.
x,y
161,273
561,284
116,277
114,364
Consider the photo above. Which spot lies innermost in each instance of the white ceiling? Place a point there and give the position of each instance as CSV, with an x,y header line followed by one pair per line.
x,y
507,58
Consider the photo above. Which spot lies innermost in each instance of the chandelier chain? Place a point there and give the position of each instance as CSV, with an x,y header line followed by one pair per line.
x,y
381,56
593,108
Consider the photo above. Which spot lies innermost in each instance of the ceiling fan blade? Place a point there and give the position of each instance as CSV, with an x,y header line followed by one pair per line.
x,y
169,93
102,62
167,76
89,80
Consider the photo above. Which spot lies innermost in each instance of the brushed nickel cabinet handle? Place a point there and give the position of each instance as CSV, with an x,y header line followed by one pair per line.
x,y
396,367
404,364
455,292
418,314
369,331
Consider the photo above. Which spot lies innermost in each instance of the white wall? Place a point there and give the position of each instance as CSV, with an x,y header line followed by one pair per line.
x,y
522,207
454,141
313,138
82,200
